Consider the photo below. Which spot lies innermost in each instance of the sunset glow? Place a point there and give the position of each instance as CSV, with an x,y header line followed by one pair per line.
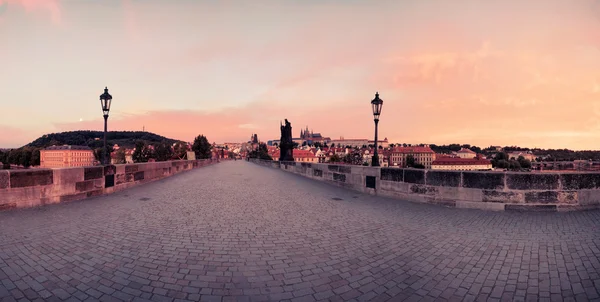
x,y
473,72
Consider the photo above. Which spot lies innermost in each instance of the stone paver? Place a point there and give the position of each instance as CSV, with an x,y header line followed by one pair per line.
x,y
241,232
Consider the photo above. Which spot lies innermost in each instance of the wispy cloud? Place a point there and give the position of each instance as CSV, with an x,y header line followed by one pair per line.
x,y
49,6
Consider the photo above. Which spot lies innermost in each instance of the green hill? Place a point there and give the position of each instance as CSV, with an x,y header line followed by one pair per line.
x,y
94,139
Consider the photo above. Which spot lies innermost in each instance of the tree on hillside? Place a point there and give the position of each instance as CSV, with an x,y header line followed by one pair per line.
x,y
98,151
180,150
524,163
163,151
501,164
149,153
202,147
353,158
35,157
88,138
25,158
335,159
97,154
120,156
514,165
262,152
14,156
500,161
410,161
139,156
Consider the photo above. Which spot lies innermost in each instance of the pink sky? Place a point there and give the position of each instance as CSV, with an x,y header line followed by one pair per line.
x,y
466,71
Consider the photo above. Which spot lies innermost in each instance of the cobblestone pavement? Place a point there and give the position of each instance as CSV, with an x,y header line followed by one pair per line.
x,y
241,232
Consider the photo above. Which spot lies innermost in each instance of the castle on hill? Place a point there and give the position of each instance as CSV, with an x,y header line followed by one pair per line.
x,y
311,137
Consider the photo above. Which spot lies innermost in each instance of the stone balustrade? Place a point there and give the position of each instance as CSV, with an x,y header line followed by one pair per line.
x,y
559,191
35,187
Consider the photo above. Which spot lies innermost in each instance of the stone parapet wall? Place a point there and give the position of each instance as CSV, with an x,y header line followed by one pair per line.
x,y
36,187
462,189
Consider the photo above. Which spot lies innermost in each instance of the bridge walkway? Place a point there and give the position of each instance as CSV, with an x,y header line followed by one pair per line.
x,y
242,232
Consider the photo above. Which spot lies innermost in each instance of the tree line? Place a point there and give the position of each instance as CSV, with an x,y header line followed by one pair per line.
x,y
162,151
91,138
262,152
502,161
30,156
24,156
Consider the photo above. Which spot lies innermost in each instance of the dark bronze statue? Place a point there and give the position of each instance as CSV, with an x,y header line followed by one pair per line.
x,y
286,144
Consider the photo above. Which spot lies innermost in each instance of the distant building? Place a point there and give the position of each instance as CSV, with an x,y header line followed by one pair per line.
x,y
232,145
321,155
352,142
461,164
66,156
311,137
422,155
305,156
299,155
383,143
220,153
527,155
359,142
466,153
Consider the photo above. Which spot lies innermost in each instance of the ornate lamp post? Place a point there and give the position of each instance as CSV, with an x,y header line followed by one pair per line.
x,y
376,103
105,100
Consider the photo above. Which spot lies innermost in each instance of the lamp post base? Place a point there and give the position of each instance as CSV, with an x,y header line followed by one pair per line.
x,y
375,161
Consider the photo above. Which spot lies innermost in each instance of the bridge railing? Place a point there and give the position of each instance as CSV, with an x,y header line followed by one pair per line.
x,y
35,187
489,190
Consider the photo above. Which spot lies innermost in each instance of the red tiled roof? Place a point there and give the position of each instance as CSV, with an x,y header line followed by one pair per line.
x,y
385,152
297,154
303,154
463,150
